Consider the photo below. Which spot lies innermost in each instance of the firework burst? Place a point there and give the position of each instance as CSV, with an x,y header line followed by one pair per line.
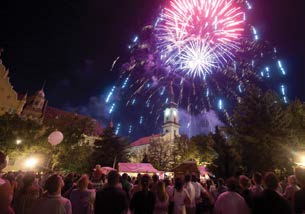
x,y
187,26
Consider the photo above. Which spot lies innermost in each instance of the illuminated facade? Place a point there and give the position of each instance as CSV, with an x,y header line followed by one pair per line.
x,y
10,102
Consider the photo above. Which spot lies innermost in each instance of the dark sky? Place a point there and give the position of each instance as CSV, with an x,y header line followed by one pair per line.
x,y
71,44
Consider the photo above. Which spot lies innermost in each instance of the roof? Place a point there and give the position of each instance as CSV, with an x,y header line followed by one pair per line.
x,y
136,168
143,141
54,113
187,167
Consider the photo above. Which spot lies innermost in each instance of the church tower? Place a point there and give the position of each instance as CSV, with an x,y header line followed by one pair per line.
x,y
35,106
171,119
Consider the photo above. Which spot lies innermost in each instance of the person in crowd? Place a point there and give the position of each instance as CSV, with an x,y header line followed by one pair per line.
x,y
154,184
126,184
162,199
204,199
245,183
299,196
27,195
230,202
111,199
143,202
257,188
270,201
82,199
180,197
98,178
168,186
221,186
6,191
137,185
191,207
52,202
291,188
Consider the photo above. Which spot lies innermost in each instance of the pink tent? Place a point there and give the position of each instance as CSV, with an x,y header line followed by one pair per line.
x,y
136,168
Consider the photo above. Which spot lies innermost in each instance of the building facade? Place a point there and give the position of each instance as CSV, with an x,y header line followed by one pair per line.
x,y
10,102
170,127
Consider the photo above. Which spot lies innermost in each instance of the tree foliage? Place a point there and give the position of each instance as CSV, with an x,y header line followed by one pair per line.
x,y
260,129
109,149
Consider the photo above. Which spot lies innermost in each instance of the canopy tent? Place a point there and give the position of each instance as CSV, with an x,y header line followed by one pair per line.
x,y
136,168
186,168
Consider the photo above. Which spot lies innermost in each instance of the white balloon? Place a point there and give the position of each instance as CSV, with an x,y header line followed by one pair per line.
x,y
55,138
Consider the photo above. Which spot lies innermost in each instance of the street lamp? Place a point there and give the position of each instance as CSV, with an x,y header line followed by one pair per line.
x,y
18,141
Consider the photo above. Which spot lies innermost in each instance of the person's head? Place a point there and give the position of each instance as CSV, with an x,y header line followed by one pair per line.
x,y
28,180
292,180
271,181
113,178
187,178
194,178
124,176
232,184
155,178
178,184
167,182
54,184
3,161
161,193
83,182
145,181
221,182
300,175
257,178
244,182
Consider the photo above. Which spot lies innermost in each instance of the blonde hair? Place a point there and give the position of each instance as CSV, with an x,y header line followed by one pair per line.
x,y
161,193
83,182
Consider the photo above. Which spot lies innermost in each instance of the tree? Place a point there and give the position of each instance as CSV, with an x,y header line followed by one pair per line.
x,y
12,127
73,153
201,149
109,149
227,161
260,128
160,154
296,114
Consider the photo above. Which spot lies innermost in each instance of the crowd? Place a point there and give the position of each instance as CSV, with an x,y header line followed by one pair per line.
x,y
31,193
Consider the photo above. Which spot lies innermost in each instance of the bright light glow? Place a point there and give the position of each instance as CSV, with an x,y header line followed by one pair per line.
x,y
175,112
302,160
135,39
167,112
248,5
193,35
130,129
197,59
18,141
110,94
31,162
220,104
281,67
125,82
117,129
111,108
254,33
283,90
141,120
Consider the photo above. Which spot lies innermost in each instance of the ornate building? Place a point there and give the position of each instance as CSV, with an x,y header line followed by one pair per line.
x,y
10,102
35,107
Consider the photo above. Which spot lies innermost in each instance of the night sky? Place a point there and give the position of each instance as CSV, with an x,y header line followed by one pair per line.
x,y
71,44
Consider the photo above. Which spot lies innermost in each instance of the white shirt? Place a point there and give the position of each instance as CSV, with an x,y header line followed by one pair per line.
x,y
179,205
191,191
